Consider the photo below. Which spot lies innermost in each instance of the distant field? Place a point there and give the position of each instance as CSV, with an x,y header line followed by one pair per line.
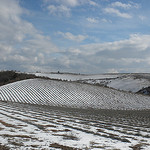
x,y
132,82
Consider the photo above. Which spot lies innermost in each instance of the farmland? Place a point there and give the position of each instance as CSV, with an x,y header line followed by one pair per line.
x,y
74,95
132,82
52,114
35,127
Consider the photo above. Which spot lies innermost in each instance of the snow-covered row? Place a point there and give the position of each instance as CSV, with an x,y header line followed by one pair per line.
x,y
25,126
70,94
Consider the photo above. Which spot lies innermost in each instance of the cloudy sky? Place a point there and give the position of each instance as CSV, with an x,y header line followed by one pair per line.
x,y
82,36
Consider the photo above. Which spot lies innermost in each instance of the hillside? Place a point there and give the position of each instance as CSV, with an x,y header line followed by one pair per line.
x,y
71,94
132,82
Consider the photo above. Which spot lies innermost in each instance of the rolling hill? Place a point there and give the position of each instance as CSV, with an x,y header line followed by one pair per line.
x,y
71,94
132,82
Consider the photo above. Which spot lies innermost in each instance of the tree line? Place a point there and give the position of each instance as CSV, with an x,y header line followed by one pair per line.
x,y
12,76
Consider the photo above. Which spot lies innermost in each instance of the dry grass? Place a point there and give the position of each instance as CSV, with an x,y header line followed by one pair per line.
x,y
2,147
7,124
65,130
30,120
93,145
1,129
20,136
100,130
35,146
139,146
67,137
17,144
22,125
60,121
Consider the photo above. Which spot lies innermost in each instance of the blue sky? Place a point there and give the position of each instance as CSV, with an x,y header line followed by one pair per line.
x,y
86,36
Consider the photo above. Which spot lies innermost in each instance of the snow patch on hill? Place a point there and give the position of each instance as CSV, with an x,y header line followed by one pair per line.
x,y
129,84
125,83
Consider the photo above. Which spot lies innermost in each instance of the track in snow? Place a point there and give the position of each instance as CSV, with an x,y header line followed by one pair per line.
x,y
68,94
26,126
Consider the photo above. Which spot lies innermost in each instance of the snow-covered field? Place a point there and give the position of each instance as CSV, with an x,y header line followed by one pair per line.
x,y
50,114
126,82
71,94
26,126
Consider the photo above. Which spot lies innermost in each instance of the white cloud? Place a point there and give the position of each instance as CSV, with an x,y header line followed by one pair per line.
x,y
106,20
23,47
117,12
74,3
142,42
132,60
135,42
18,58
60,10
142,17
40,43
75,51
124,5
122,56
112,70
93,3
69,3
20,41
70,36
64,7
92,20
117,56
115,9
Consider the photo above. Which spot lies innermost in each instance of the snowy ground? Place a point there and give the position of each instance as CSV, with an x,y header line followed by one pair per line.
x,y
26,126
126,82
71,94
48,114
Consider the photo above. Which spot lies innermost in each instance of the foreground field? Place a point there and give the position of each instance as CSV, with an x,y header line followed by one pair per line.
x,y
26,126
